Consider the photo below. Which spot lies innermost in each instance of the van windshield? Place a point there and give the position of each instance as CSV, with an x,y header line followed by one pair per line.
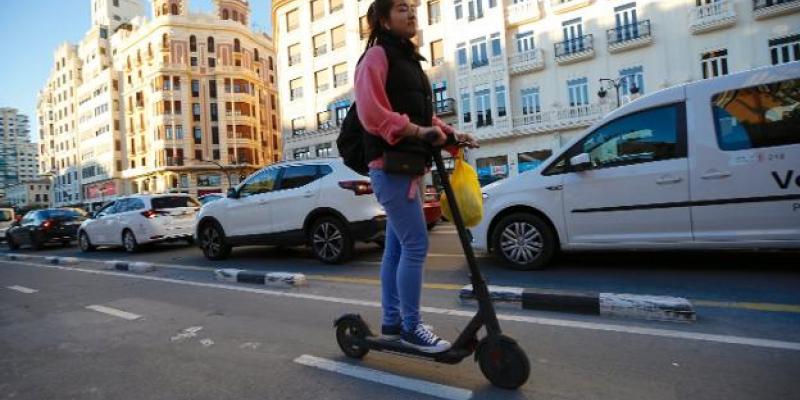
x,y
5,216
160,203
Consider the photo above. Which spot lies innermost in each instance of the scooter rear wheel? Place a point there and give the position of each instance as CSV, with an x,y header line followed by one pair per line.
x,y
503,362
346,331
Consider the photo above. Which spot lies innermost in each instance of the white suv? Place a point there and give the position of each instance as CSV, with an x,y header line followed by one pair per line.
x,y
136,220
713,164
320,203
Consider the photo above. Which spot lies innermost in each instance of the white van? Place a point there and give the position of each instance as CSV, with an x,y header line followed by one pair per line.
x,y
713,164
7,218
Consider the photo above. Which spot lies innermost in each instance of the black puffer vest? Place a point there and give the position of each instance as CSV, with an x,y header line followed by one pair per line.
x,y
409,93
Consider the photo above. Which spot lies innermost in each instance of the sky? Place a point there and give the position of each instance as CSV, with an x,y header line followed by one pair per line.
x,y
30,30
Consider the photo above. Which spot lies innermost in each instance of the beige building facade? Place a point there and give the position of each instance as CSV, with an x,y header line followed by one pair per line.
x,y
524,75
33,193
182,102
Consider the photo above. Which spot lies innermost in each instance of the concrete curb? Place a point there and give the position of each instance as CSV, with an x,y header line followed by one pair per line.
x,y
62,260
139,267
17,257
260,277
660,308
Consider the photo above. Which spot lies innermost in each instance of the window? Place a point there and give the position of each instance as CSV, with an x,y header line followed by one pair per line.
x,y
256,56
530,101
337,37
237,46
212,89
475,8
215,135
479,55
483,107
210,44
298,176
336,5
179,133
573,37
195,88
466,115
785,49
192,43
115,3
497,49
759,116
262,182
491,169
177,108
209,180
630,77
298,126
198,135
646,136
459,9
437,52
578,91
320,46
212,62
524,42
500,95
434,12
461,55
322,79
214,112
165,202
340,75
626,24
531,159
440,97
196,111
294,54
295,89
714,63
324,150
317,9
292,20
301,153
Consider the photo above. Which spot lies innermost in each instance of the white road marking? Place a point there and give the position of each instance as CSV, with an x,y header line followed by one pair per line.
x,y
22,289
666,333
187,333
206,342
115,312
372,375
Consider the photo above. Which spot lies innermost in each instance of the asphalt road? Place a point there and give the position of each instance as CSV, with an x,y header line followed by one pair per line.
x,y
193,339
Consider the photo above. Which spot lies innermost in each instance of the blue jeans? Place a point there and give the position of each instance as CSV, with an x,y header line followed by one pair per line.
x,y
406,249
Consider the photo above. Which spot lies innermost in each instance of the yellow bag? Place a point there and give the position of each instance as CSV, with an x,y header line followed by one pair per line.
x,y
467,190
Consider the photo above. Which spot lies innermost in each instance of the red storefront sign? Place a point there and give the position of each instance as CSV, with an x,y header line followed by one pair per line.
x,y
97,190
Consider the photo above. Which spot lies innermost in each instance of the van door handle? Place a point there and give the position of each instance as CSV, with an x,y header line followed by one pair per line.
x,y
667,179
715,174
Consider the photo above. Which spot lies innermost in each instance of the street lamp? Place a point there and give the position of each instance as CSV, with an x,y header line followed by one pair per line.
x,y
616,84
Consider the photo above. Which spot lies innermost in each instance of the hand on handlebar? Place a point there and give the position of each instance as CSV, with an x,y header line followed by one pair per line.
x,y
465,139
432,135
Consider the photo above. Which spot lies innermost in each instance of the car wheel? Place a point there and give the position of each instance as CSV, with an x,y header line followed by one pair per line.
x,y
11,243
84,243
331,241
212,241
129,242
524,241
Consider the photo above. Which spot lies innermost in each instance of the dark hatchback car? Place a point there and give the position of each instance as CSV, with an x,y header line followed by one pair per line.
x,y
40,227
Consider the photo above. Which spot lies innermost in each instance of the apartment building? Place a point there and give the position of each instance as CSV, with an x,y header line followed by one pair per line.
x,y
18,157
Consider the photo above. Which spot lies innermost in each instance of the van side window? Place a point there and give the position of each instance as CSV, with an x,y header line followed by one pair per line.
x,y
298,176
758,116
262,182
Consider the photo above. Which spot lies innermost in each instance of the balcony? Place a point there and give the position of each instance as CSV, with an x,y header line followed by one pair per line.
x,y
328,128
444,107
763,9
713,16
523,12
532,60
570,117
574,50
564,6
629,36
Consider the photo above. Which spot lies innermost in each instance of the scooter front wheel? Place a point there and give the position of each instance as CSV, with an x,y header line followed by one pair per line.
x,y
503,362
347,331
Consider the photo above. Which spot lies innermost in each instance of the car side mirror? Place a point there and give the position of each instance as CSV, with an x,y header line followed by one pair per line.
x,y
580,162
232,194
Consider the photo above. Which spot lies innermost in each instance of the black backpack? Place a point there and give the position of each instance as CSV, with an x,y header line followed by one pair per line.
x,y
351,142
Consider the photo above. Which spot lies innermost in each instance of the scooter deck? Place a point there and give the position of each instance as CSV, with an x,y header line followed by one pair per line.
x,y
451,356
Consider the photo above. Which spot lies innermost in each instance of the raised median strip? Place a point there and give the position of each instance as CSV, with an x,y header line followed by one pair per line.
x,y
62,260
139,266
661,308
260,277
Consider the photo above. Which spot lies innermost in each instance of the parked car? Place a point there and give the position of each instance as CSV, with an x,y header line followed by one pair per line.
x,y
133,221
208,198
320,203
712,164
7,218
40,227
432,207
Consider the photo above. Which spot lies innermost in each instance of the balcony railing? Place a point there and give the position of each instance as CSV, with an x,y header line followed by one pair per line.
x,y
629,36
708,17
531,60
570,117
174,161
576,49
771,8
523,12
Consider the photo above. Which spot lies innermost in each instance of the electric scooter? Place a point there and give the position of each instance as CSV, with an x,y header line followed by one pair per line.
x,y
502,361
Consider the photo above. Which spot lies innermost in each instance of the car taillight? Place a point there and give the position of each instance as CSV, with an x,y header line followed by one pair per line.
x,y
150,214
358,187
47,224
